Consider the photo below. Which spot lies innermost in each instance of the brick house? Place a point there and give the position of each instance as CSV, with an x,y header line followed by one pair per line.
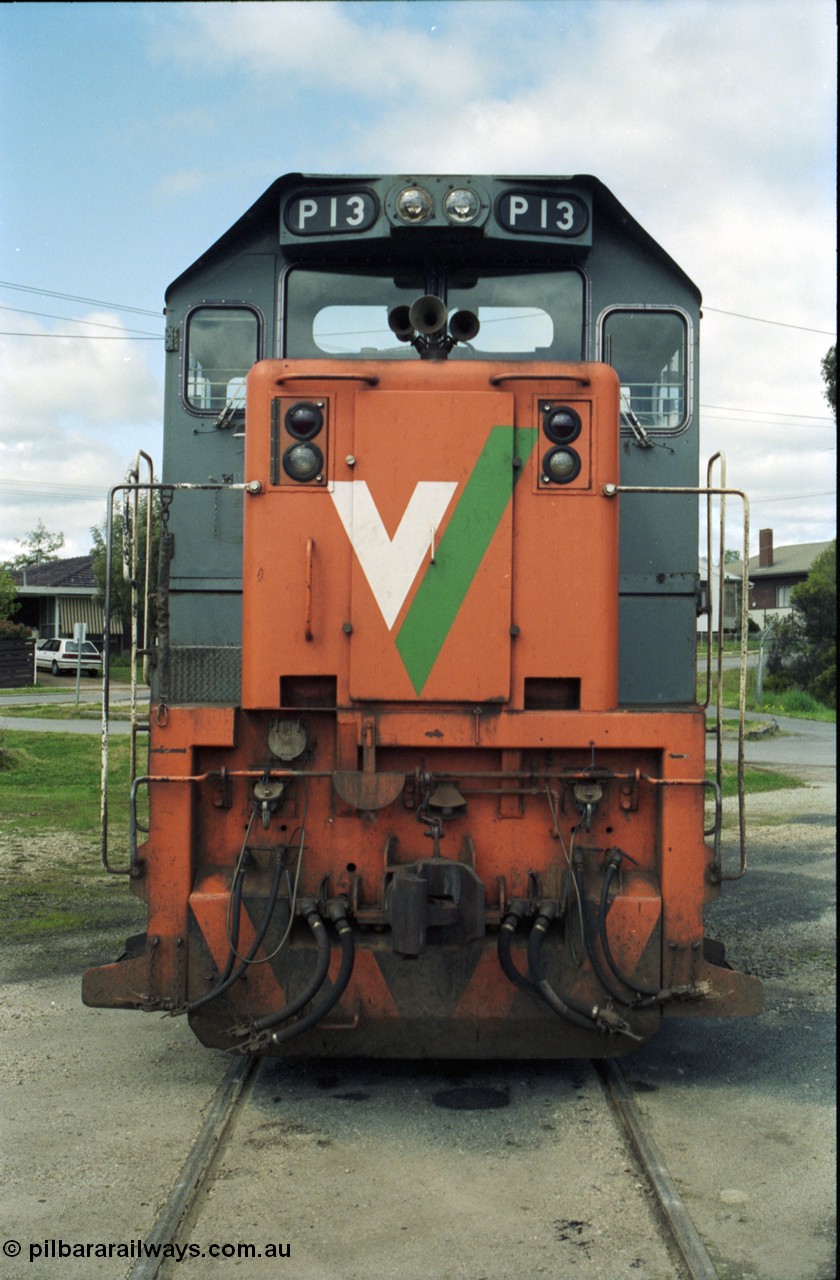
x,y
774,572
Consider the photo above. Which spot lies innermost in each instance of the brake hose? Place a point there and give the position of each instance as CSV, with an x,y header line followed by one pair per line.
x,y
348,955
322,965
590,1017
230,975
597,967
613,861
517,911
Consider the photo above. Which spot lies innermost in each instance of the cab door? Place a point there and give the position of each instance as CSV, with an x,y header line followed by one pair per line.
x,y
429,516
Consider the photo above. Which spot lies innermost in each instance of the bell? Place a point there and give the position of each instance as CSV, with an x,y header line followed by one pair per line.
x,y
447,798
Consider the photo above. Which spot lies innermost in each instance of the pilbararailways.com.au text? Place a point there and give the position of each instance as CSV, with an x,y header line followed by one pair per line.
x,y
59,1248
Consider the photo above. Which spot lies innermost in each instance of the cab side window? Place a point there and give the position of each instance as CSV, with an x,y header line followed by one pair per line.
x,y
648,348
222,344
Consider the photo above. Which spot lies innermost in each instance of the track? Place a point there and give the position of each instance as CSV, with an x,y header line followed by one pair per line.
x,y
512,1170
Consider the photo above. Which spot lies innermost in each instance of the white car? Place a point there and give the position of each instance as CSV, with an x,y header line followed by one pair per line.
x,y
63,655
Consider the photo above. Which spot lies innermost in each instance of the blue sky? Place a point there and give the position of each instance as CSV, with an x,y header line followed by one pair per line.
x,y
133,135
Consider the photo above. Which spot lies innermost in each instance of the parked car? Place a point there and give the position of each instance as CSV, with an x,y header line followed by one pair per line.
x,y
63,655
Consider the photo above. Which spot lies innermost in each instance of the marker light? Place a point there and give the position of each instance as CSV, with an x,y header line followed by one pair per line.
x,y
414,204
304,420
303,462
561,423
560,465
462,206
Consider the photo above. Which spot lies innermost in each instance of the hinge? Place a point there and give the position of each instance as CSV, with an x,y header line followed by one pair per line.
x,y
172,338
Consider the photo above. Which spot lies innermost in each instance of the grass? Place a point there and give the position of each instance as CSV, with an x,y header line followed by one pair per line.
x,y
51,877
790,702
50,781
66,711
755,780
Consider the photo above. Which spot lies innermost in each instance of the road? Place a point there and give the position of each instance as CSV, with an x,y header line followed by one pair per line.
x,y
55,693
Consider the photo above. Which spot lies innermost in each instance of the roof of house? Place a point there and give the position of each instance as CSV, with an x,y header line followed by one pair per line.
x,y
75,572
730,569
796,559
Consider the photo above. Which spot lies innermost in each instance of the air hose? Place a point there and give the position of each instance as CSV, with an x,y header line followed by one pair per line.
x,y
338,912
322,965
629,1002
613,861
517,911
590,1017
231,975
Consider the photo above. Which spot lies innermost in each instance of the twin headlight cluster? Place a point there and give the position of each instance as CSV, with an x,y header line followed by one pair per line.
x,y
415,205
562,425
303,460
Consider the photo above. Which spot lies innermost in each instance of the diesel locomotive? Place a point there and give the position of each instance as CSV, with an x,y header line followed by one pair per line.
x,y
426,763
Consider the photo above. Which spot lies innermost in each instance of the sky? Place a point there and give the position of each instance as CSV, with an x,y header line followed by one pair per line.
x,y
133,135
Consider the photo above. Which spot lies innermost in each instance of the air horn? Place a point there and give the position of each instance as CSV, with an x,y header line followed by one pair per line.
x,y
423,324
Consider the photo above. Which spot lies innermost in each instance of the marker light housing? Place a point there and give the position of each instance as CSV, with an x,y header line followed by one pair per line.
x,y
303,462
414,205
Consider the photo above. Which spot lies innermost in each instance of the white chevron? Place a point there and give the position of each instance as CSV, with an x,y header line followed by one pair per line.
x,y
391,565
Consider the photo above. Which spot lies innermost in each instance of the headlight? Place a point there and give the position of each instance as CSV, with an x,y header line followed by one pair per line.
x,y
303,462
462,206
414,204
561,423
560,465
304,420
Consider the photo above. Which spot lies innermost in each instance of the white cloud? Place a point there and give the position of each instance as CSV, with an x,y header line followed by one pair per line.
x,y
326,46
72,415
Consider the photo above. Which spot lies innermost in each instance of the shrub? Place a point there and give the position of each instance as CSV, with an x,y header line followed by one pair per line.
x,y
14,630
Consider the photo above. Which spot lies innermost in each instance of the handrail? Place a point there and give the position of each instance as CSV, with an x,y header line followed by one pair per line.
x,y
130,553
612,490
370,378
499,378
134,487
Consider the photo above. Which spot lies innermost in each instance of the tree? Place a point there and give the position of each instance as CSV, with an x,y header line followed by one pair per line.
x,y
8,591
829,373
121,565
39,547
804,652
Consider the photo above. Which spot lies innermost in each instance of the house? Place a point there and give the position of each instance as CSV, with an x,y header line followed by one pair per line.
x,y
773,574
52,597
732,595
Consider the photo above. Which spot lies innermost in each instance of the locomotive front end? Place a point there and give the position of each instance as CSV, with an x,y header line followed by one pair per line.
x,y
430,823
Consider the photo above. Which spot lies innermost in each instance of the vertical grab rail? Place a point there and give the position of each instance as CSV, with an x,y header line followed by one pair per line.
x,y
612,491
718,631
106,688
132,486
130,566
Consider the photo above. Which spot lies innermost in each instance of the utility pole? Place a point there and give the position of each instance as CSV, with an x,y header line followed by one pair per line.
x,y
769,628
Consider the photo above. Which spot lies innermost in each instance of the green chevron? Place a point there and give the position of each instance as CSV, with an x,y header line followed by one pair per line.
x,y
462,548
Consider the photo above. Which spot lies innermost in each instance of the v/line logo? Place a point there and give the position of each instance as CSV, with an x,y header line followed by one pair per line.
x,y
391,565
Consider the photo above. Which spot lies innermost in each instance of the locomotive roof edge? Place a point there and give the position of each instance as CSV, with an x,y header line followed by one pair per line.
x,y
605,204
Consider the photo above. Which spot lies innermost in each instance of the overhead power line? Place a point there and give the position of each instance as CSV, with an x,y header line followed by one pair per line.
x,y
782,324
765,413
793,497
72,297
39,487
96,324
79,337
